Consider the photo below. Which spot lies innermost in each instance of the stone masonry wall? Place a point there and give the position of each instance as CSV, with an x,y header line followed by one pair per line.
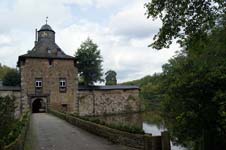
x,y
17,95
50,74
103,102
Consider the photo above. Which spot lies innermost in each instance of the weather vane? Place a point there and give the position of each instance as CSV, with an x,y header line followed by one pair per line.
x,y
47,19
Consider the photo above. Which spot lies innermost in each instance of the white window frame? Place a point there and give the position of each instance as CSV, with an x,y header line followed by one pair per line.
x,y
38,83
63,83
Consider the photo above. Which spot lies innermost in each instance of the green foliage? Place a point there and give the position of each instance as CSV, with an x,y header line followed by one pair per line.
x,y
89,63
11,78
194,103
151,90
7,109
17,129
183,19
3,70
119,126
10,128
111,77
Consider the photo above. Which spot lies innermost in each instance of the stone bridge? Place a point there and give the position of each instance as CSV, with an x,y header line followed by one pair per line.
x,y
48,132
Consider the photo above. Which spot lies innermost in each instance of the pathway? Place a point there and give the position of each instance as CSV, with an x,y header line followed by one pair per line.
x,y
48,132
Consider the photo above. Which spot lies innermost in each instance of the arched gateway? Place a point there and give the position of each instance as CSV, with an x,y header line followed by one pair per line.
x,y
39,105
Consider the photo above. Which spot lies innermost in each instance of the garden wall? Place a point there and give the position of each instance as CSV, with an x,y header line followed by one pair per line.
x,y
97,102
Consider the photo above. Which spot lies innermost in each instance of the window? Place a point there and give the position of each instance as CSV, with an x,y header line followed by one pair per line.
x,y
50,62
38,83
63,85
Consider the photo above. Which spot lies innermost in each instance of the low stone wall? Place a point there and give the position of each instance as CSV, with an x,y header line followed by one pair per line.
x,y
103,102
140,141
17,95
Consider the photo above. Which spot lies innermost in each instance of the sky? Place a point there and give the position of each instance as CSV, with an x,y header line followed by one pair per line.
x,y
119,27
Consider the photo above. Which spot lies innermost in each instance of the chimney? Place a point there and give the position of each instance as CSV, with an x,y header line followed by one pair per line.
x,y
36,36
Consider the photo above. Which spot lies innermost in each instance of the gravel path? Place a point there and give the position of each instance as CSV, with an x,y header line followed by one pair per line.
x,y
48,132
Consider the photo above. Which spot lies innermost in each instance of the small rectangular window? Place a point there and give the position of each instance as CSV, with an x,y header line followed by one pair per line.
x,y
63,85
38,83
50,62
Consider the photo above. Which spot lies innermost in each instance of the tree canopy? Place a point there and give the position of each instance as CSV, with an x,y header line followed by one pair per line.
x,y
89,62
11,78
194,103
3,70
184,19
111,77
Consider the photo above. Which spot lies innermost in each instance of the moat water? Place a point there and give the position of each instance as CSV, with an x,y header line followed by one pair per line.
x,y
150,122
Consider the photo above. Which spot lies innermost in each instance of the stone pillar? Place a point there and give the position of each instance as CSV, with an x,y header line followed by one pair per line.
x,y
165,140
147,142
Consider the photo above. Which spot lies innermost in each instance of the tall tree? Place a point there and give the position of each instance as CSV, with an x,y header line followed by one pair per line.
x,y
184,19
11,78
111,77
89,62
195,100
3,70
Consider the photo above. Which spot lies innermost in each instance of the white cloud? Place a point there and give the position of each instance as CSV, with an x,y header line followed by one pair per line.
x,y
96,3
123,40
132,22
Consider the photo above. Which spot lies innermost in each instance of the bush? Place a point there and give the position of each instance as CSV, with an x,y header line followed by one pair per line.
x,y
16,130
7,109
10,128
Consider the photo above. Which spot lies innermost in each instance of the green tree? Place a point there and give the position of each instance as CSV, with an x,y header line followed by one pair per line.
x,y
3,70
89,62
111,77
184,19
11,78
194,103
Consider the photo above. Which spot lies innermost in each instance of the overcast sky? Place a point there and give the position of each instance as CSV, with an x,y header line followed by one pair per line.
x,y
119,27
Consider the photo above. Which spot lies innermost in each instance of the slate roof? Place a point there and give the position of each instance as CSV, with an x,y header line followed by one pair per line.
x,y
10,88
46,27
46,48
81,88
108,87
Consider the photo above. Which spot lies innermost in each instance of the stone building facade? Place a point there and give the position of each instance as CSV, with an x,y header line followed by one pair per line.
x,y
49,80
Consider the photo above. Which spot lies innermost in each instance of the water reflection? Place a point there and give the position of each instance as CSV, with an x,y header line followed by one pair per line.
x,y
150,122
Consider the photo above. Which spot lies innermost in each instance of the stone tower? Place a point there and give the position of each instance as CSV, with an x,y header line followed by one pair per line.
x,y
48,75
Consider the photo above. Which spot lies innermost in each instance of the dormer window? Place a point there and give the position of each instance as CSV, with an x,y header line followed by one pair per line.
x,y
63,85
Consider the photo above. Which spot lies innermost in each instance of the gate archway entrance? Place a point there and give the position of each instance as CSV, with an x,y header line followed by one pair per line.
x,y
38,105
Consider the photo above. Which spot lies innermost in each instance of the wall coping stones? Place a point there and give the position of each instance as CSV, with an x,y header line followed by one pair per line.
x,y
10,88
108,87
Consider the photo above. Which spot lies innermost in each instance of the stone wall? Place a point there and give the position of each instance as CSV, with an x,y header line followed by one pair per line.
x,y
138,141
17,95
103,102
50,72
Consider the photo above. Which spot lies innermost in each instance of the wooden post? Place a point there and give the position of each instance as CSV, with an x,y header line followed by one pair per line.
x,y
165,140
147,142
